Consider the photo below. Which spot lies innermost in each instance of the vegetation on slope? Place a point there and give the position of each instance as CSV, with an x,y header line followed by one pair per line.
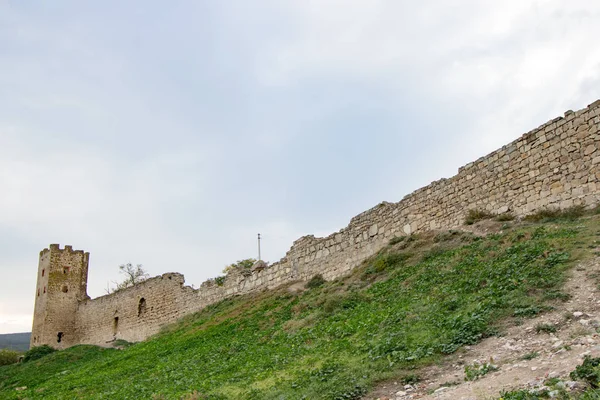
x,y
420,298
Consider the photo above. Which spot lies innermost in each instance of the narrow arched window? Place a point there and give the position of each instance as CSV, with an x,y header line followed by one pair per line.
x,y
142,307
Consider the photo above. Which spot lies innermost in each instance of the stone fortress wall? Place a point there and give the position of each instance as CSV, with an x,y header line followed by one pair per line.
x,y
555,165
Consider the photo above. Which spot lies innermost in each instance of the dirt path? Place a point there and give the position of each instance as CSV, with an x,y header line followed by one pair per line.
x,y
525,358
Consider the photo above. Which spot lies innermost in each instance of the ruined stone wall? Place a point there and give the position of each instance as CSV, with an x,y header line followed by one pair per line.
x,y
555,165
138,312
135,313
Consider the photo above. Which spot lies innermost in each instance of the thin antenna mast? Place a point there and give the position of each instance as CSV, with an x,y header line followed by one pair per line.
x,y
259,247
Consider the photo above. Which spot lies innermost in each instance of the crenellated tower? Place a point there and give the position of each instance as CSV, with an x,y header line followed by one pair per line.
x,y
61,285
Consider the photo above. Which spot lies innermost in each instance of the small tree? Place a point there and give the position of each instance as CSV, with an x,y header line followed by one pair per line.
x,y
133,276
241,265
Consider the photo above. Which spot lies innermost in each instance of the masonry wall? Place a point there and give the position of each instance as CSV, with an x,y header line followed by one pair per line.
x,y
62,284
555,165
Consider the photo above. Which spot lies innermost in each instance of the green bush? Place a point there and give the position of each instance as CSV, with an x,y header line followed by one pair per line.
x,y
588,371
385,262
315,282
38,352
8,357
220,280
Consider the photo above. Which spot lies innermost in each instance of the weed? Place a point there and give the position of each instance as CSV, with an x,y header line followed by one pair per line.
x,y
527,311
553,214
385,262
507,216
450,383
410,379
447,236
546,328
557,295
476,215
477,370
530,356
315,282
220,280
524,395
396,240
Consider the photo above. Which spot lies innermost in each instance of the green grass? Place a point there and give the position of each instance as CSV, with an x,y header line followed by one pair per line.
x,y
406,307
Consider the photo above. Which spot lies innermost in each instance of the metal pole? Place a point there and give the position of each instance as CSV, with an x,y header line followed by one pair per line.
x,y
259,247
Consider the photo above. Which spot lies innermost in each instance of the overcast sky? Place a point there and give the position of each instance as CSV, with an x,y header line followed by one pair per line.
x,y
170,133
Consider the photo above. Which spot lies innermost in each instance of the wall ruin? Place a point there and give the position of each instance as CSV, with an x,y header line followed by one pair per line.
x,y
555,165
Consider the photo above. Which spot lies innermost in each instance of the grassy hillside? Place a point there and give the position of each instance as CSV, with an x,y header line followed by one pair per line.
x,y
418,299
15,341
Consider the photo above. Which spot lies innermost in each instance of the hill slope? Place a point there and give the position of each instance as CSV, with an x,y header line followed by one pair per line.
x,y
420,298
15,341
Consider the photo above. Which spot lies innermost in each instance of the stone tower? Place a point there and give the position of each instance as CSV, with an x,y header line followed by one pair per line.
x,y
61,284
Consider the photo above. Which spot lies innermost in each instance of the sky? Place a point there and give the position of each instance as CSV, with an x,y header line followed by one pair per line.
x,y
169,134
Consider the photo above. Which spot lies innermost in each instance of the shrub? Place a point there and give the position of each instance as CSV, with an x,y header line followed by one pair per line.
x,y
588,371
333,303
410,379
385,262
530,356
220,280
315,282
551,214
38,352
446,236
396,240
547,328
8,357
505,217
477,370
476,215
527,311
524,395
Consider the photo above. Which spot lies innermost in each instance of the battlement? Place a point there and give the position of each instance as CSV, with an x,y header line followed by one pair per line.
x,y
56,248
